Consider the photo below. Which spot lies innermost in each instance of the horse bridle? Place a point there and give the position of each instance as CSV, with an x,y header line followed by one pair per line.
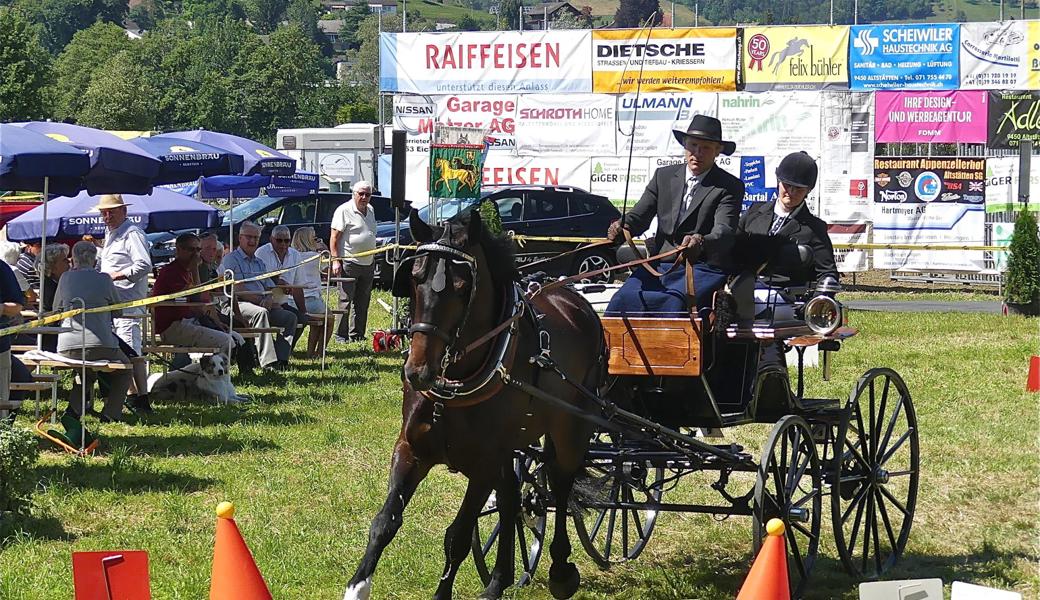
x,y
451,353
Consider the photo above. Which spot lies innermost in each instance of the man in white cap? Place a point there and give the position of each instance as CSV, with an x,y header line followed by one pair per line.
x,y
125,258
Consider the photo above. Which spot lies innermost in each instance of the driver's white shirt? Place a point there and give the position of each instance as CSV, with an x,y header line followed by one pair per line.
x,y
357,231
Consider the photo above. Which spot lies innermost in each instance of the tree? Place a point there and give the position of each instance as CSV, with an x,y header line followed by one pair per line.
x,y
25,67
1023,267
147,14
201,11
469,23
304,14
61,19
265,14
635,13
509,12
566,20
119,97
75,67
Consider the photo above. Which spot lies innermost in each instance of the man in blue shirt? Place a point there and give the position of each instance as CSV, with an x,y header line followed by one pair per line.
x,y
253,300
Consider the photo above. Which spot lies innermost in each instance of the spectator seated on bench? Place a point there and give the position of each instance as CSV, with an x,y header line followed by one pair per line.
x,y
92,336
309,276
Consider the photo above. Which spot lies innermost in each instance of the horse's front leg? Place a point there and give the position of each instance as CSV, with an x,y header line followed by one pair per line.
x,y
457,539
406,472
562,466
508,499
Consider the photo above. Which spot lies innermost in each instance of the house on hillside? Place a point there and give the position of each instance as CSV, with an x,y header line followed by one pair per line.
x,y
332,29
535,17
383,6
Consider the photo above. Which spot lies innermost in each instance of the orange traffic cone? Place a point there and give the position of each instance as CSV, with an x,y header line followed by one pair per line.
x,y
1033,379
235,576
768,577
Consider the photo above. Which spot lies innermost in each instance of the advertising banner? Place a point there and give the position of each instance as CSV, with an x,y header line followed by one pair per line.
x,y
904,57
846,165
417,184
611,175
495,113
1033,81
848,260
929,201
485,62
664,60
1002,185
415,115
1013,116
930,116
995,55
772,123
646,122
581,124
502,169
795,58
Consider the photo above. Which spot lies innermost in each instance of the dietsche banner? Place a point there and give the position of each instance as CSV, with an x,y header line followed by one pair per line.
x,y
1013,117
485,62
579,124
664,60
795,58
953,116
904,57
929,201
772,123
995,55
646,121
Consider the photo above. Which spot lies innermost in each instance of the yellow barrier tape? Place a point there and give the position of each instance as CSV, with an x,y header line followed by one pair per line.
x,y
916,247
379,250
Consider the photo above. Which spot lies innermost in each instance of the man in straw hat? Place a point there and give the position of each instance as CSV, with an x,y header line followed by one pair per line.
x,y
125,258
697,204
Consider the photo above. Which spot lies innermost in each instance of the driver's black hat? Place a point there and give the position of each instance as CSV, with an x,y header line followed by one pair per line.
x,y
703,127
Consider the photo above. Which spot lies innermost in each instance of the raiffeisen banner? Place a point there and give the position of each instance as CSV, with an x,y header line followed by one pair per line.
x,y
795,58
671,60
904,57
995,55
931,116
485,62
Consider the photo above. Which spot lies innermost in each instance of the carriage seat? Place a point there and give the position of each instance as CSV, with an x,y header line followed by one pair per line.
x,y
654,345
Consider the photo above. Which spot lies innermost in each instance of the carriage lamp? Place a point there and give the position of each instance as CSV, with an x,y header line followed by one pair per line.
x,y
823,314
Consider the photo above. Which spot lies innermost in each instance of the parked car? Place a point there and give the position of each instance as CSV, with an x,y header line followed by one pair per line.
x,y
294,212
529,210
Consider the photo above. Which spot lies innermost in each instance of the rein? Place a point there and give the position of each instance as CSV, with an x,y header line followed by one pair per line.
x,y
644,262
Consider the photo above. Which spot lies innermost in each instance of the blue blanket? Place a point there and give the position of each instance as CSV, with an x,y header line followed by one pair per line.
x,y
645,295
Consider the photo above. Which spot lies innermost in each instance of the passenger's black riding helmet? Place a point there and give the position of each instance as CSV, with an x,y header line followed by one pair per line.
x,y
798,168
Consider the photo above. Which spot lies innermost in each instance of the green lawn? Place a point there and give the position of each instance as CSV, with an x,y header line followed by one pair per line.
x,y
306,466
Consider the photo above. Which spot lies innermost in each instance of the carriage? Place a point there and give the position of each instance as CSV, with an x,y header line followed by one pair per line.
x,y
856,458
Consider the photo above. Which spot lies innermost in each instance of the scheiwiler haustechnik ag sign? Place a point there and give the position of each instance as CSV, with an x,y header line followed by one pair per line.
x,y
1013,117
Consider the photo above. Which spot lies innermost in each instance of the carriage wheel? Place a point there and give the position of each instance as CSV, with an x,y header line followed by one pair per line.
x,y
529,525
788,487
875,474
612,534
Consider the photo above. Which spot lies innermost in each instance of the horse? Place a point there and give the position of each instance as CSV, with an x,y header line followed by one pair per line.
x,y
465,177
472,329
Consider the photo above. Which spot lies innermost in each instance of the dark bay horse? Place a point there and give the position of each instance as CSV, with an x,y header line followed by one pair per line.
x,y
458,411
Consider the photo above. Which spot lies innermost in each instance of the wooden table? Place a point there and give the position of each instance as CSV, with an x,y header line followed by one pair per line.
x,y
47,330
167,303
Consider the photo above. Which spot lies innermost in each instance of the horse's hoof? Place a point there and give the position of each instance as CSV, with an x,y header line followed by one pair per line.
x,y
564,582
359,591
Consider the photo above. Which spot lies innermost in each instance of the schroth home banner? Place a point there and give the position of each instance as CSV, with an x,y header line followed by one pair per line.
x,y
925,117
795,58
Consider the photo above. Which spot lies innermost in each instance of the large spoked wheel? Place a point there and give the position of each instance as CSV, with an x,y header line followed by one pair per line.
x,y
529,526
875,474
608,520
788,488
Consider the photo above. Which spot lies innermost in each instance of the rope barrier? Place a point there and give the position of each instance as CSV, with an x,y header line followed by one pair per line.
x,y
523,239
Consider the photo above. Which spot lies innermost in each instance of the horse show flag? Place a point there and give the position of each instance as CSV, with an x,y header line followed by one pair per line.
x,y
485,62
1013,117
772,123
454,171
646,121
664,60
995,55
925,117
795,58
904,57
581,124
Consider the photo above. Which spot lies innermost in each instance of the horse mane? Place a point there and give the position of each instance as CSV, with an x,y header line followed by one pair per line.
x,y
501,257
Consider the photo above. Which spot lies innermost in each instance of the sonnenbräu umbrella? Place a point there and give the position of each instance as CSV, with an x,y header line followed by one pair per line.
x,y
300,183
116,165
73,217
27,158
187,161
258,158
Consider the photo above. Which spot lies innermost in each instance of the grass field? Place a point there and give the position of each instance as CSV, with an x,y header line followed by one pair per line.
x,y
307,463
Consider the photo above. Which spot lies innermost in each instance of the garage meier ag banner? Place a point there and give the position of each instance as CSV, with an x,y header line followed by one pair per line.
x,y
485,62
670,60
904,57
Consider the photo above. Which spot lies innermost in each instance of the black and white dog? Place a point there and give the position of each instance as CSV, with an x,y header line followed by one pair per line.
x,y
206,380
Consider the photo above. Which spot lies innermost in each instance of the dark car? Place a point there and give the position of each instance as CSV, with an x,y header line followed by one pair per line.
x,y
544,211
294,212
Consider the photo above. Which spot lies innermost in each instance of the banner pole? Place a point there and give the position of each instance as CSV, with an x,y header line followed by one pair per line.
x,y
229,285
82,373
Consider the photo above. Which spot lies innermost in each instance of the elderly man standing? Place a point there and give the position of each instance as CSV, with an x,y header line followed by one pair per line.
x,y
252,302
125,258
353,232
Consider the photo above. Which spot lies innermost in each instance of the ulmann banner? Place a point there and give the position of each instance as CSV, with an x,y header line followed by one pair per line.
x,y
485,62
904,57
795,58
930,116
1013,117
664,60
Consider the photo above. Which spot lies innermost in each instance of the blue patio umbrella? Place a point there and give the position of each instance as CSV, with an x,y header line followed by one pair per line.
x,y
300,183
116,165
258,158
35,163
186,161
73,217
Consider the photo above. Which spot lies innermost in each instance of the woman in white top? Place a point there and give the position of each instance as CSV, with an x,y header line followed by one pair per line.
x,y
309,276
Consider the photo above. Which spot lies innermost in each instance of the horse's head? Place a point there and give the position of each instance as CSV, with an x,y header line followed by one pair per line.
x,y
443,282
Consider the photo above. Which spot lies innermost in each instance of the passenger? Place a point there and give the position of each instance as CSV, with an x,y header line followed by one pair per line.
x,y
55,259
697,204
